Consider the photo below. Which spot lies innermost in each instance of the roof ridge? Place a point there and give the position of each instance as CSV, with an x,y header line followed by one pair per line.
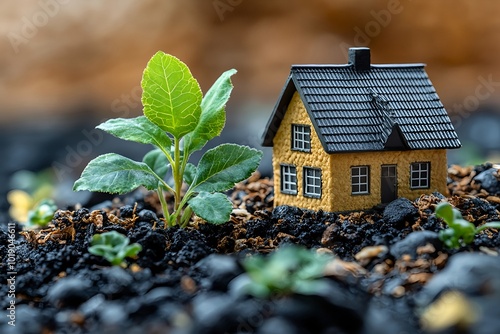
x,y
398,66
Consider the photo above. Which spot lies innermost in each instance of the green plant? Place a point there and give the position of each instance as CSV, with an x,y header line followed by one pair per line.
x,y
290,269
31,200
173,104
114,247
460,232
42,213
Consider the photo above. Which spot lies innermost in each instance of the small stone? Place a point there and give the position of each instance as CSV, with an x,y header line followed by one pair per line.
x,y
489,181
469,273
413,241
222,269
118,279
400,211
147,216
69,292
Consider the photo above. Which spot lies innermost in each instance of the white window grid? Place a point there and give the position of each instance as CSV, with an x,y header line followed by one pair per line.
x,y
289,179
360,180
301,137
312,182
420,175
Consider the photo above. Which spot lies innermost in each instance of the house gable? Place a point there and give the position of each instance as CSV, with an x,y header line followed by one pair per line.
x,y
395,140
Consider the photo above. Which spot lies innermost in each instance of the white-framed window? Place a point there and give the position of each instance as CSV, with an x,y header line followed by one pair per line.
x,y
288,179
301,137
420,173
360,180
312,182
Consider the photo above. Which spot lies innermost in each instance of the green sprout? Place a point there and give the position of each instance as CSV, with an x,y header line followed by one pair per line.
x,y
178,121
460,232
31,200
42,213
288,270
114,247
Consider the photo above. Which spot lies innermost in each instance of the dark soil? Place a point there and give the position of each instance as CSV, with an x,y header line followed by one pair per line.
x,y
390,274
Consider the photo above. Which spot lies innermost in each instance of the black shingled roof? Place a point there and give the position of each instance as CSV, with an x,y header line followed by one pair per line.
x,y
357,110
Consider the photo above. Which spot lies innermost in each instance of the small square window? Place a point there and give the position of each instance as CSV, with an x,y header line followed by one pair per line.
x,y
301,138
312,182
420,172
360,177
288,179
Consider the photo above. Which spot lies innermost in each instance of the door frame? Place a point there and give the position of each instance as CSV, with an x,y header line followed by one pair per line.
x,y
385,190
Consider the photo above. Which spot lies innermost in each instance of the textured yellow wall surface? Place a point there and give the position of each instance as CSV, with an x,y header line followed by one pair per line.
x,y
317,158
336,169
342,163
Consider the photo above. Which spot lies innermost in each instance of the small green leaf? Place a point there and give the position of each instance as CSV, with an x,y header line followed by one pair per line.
x,y
495,225
139,129
113,173
171,95
190,173
223,166
42,213
113,246
214,208
132,250
445,211
157,161
213,114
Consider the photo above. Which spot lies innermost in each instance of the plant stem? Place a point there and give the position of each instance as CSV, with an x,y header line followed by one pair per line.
x,y
185,216
164,206
177,174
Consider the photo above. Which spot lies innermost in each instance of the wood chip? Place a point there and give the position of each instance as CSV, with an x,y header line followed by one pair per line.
x,y
398,291
427,249
341,269
188,284
370,252
419,278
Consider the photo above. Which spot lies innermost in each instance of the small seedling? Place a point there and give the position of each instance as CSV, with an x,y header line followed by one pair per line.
x,y
288,270
460,232
42,213
114,247
178,121
31,200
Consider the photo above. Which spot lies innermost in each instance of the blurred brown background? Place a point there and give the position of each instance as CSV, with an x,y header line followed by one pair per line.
x,y
66,65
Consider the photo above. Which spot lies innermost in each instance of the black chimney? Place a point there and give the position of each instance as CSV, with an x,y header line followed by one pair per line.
x,y
360,58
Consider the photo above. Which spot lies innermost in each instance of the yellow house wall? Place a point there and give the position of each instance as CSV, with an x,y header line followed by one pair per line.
x,y
342,163
336,169
317,158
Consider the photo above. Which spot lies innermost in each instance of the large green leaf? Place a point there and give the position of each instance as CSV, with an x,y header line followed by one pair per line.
x,y
189,173
214,208
113,173
171,96
223,166
157,161
139,129
213,114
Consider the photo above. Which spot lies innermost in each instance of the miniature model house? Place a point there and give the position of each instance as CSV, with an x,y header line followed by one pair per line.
x,y
352,136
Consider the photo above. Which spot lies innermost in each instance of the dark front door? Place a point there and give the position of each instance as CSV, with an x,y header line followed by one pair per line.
x,y
389,183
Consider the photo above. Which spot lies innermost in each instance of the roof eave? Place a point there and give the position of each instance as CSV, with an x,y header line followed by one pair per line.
x,y
391,150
